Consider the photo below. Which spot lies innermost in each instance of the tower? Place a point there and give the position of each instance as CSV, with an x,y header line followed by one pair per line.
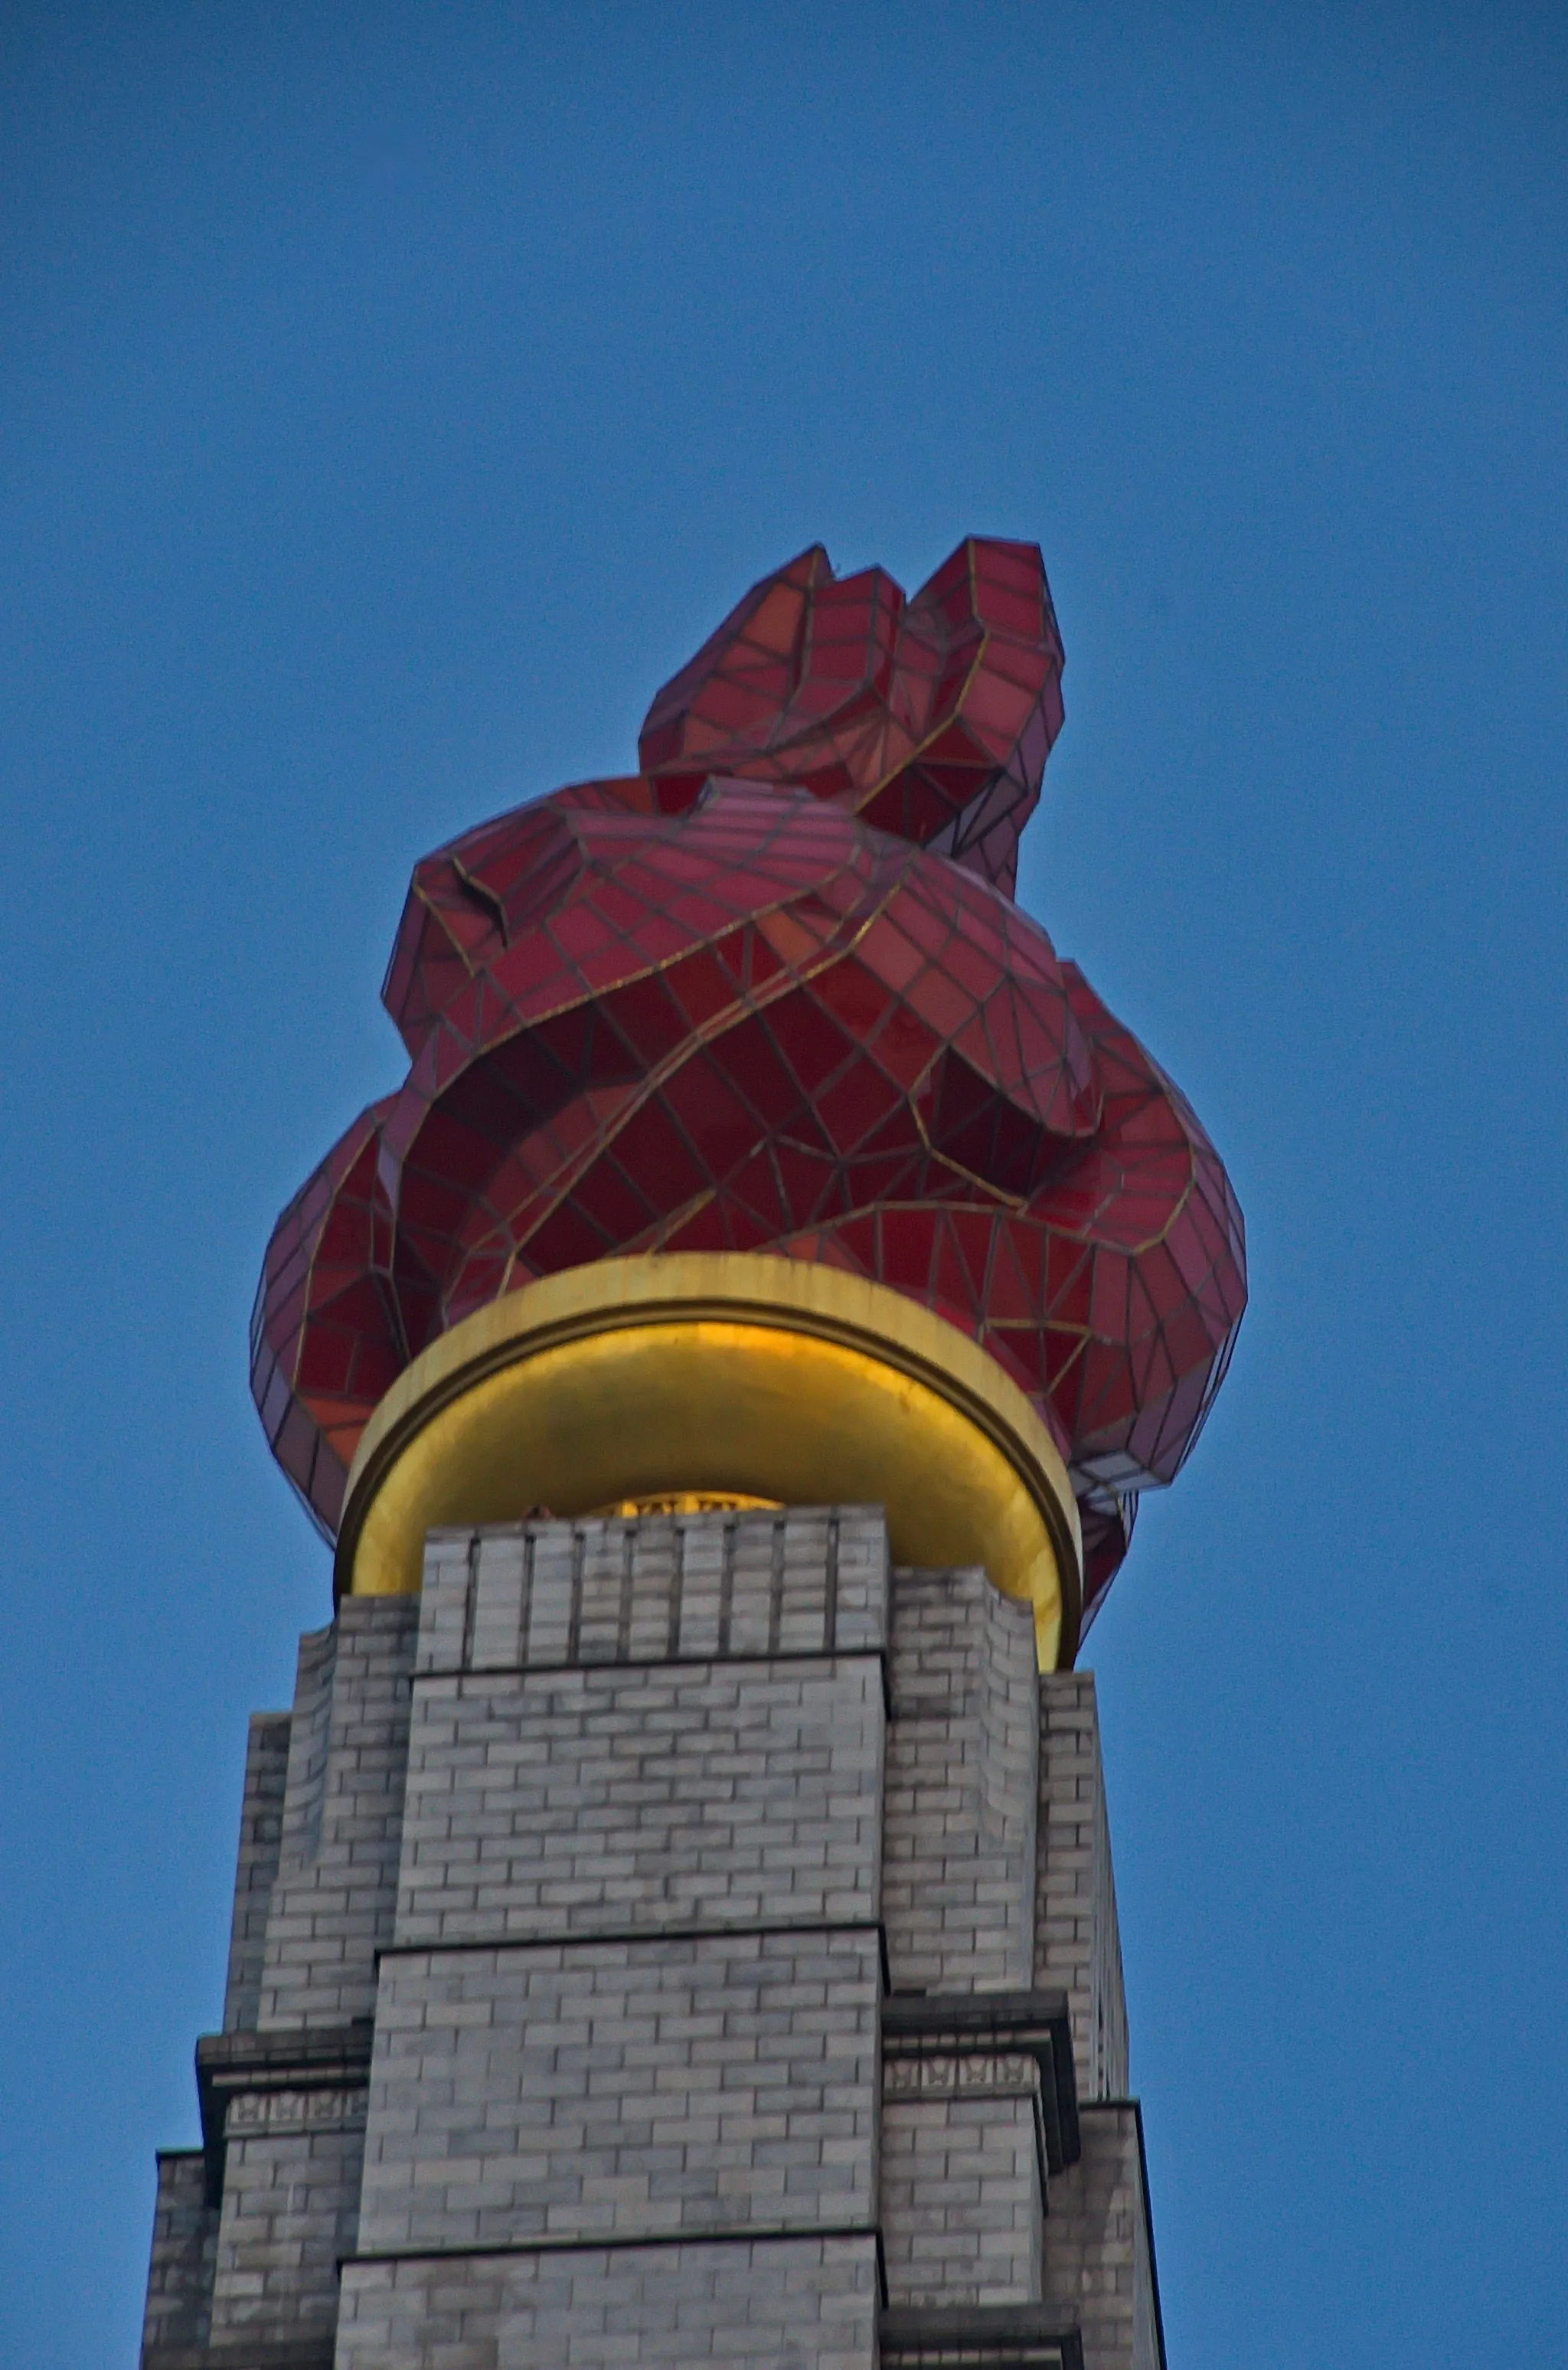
x,y
674,1922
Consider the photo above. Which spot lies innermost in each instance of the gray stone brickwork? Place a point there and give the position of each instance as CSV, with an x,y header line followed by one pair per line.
x,y
1099,2258
625,2089
333,1898
575,1801
800,2303
963,2201
291,2200
1077,1944
678,1940
185,2240
960,1809
667,1588
260,1845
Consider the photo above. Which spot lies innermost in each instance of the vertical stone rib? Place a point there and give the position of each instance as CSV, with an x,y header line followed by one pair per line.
x,y
260,1846
959,1867
1076,1945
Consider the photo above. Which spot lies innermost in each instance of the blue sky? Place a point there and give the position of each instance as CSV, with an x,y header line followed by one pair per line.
x,y
389,401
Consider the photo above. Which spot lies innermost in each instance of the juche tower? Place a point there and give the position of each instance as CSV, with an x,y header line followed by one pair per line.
x,y
674,1923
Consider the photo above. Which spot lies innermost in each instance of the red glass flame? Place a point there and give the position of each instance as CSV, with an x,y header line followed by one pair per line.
x,y
771,994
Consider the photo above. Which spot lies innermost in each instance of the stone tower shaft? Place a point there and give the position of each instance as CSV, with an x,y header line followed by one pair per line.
x,y
675,1939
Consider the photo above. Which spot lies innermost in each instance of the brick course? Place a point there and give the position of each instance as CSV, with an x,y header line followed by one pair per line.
x,y
801,2304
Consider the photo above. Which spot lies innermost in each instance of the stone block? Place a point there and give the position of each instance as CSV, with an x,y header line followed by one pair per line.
x,y
623,2090
635,1797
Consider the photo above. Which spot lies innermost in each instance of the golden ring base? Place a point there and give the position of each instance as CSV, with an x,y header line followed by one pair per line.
x,y
681,1381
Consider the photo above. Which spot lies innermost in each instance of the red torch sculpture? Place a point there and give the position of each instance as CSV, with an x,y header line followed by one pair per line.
x,y
755,1146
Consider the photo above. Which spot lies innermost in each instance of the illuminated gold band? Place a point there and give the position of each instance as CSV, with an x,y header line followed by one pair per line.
x,y
689,1502
734,1376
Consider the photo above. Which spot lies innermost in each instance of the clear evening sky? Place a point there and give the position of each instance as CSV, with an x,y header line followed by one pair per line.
x,y
390,398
